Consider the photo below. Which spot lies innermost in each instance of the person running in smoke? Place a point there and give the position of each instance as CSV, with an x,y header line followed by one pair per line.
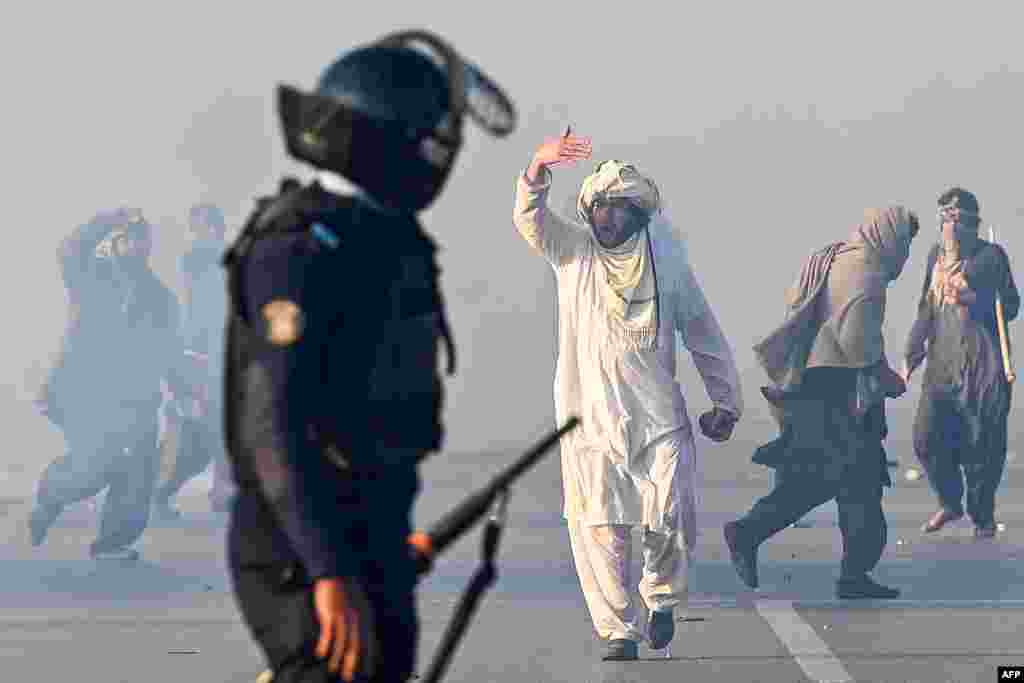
x,y
830,379
961,421
624,289
104,393
200,440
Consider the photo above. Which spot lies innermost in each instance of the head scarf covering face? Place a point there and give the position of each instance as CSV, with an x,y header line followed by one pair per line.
x,y
885,234
837,306
949,266
968,220
630,287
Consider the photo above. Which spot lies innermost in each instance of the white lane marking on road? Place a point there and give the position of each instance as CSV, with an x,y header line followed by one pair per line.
x,y
809,651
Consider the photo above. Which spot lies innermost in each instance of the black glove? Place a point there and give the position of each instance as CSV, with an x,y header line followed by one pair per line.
x,y
717,424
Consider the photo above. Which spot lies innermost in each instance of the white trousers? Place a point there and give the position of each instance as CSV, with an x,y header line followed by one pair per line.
x,y
604,560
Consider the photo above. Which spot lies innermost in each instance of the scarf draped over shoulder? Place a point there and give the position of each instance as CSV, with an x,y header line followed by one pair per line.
x,y
629,280
837,305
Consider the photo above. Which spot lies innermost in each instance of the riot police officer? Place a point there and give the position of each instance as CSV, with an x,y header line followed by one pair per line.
x,y
332,394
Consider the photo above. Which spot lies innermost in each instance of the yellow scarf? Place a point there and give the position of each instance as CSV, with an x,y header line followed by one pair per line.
x,y
630,288
629,282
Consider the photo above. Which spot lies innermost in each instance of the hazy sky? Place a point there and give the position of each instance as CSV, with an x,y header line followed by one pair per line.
x,y
768,126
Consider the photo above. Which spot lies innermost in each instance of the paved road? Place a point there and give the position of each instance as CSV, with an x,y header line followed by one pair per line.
x,y
172,618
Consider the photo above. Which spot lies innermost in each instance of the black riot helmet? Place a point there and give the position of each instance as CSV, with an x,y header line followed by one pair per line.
x,y
388,117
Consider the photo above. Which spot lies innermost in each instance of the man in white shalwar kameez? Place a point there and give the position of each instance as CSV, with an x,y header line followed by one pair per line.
x,y
624,289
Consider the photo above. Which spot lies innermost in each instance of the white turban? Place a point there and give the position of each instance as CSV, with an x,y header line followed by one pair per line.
x,y
614,179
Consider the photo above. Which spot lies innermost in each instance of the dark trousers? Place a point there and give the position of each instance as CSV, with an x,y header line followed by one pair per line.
x,y
123,462
275,596
950,456
797,492
200,442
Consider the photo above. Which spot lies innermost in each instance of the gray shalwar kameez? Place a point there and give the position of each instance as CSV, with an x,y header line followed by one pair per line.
x,y
827,363
961,421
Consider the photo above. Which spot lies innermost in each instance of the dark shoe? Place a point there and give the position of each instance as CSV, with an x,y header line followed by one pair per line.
x,y
939,520
986,531
864,588
660,629
620,650
116,555
40,521
742,553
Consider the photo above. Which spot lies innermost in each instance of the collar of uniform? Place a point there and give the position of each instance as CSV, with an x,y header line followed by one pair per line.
x,y
337,185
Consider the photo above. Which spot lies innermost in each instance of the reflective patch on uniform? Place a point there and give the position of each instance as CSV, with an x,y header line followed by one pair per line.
x,y
325,235
284,320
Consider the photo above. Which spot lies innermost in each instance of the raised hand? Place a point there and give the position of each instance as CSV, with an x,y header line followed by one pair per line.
x,y
567,148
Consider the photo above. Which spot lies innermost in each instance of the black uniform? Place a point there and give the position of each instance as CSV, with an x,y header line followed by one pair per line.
x,y
961,421
104,392
332,398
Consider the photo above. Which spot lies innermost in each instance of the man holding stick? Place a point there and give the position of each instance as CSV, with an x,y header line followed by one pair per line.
x,y
624,289
960,431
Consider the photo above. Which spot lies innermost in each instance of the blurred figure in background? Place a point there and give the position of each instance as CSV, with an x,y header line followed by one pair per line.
x,y
104,393
199,440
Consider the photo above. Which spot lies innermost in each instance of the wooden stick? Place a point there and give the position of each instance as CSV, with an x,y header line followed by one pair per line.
x,y
1004,342
1004,339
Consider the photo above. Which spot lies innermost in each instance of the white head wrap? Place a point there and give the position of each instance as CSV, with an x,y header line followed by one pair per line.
x,y
614,179
630,283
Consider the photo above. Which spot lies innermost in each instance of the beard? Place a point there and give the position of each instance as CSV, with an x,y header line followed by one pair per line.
x,y
612,236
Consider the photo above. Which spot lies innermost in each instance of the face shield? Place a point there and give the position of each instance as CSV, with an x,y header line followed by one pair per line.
x,y
354,115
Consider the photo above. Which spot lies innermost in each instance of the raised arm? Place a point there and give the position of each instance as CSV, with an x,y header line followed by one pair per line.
x,y
543,229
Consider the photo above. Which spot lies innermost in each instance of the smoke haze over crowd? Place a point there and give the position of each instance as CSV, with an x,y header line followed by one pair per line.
x,y
768,127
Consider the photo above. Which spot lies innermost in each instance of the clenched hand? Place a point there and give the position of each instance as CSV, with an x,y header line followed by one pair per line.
x,y
717,424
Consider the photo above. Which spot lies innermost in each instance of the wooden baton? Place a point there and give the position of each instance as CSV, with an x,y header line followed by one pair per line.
x,y
1004,339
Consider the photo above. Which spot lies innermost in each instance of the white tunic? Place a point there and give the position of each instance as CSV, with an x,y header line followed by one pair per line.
x,y
626,398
